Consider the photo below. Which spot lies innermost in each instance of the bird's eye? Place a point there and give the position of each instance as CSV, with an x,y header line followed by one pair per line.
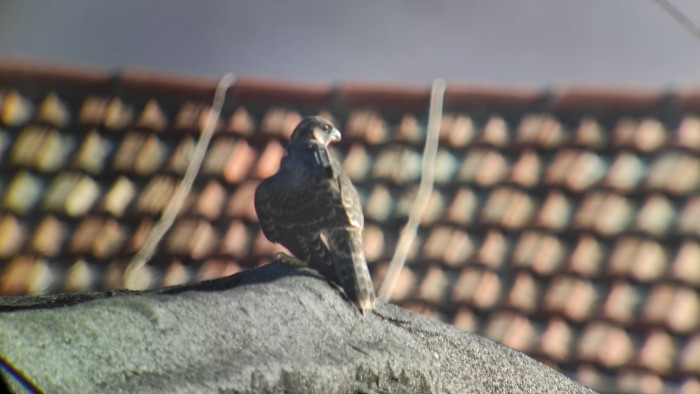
x,y
326,127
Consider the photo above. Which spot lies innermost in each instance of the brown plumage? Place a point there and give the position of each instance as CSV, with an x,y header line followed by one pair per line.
x,y
311,207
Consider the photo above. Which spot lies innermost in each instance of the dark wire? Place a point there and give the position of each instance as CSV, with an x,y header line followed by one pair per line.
x,y
19,376
680,17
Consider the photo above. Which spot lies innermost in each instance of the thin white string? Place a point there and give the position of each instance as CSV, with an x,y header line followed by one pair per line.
x,y
175,204
425,189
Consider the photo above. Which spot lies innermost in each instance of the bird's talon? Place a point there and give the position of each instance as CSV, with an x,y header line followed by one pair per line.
x,y
290,260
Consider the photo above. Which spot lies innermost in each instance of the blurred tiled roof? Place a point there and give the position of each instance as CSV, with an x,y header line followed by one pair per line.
x,y
564,223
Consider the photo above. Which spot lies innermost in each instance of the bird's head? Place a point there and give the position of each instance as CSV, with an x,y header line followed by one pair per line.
x,y
315,129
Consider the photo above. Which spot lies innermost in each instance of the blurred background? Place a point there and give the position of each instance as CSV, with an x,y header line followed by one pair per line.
x,y
538,42
564,223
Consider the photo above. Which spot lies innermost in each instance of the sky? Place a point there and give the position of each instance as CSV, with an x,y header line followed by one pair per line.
x,y
508,42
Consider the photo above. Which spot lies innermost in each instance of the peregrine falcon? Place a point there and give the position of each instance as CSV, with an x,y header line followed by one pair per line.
x,y
311,207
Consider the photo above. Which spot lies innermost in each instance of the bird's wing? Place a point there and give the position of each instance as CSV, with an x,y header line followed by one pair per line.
x,y
309,206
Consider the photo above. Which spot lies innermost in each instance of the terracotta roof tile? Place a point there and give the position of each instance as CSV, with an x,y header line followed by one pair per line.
x,y
16,109
119,196
269,161
23,192
446,164
555,213
176,274
525,293
217,156
191,238
279,122
379,204
150,156
189,116
151,117
82,238
690,357
658,352
241,203
398,164
585,171
509,208
92,153
27,145
606,213
466,320
12,235
109,240
357,163
622,303
557,340
409,130
478,288
80,277
237,240
53,111
118,115
367,126
589,134
240,162
511,329
685,265
210,201
606,344
641,259
689,219
374,243
48,236
575,298
684,312
405,285
437,243
456,131
658,304
637,381
560,167
181,156
527,170
493,250
656,215
687,135
93,110
463,207
495,132
539,252
685,170
650,135
241,122
434,287
17,275
460,249
216,268
626,172
155,195
540,130
587,256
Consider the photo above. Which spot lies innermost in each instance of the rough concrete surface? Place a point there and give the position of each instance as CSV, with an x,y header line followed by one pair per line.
x,y
272,329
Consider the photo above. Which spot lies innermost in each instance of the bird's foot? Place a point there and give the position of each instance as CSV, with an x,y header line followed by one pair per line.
x,y
290,260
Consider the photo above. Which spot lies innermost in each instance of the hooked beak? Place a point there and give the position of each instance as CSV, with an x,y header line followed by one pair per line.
x,y
335,135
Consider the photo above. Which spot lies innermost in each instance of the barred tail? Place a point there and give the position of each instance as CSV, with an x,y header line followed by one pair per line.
x,y
351,266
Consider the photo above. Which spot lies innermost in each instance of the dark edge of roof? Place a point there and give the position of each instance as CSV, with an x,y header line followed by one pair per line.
x,y
138,81
578,98
16,71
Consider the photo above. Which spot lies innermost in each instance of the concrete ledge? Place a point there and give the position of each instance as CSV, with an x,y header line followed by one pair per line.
x,y
272,329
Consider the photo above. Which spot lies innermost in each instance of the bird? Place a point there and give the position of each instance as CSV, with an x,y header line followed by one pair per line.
x,y
311,207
